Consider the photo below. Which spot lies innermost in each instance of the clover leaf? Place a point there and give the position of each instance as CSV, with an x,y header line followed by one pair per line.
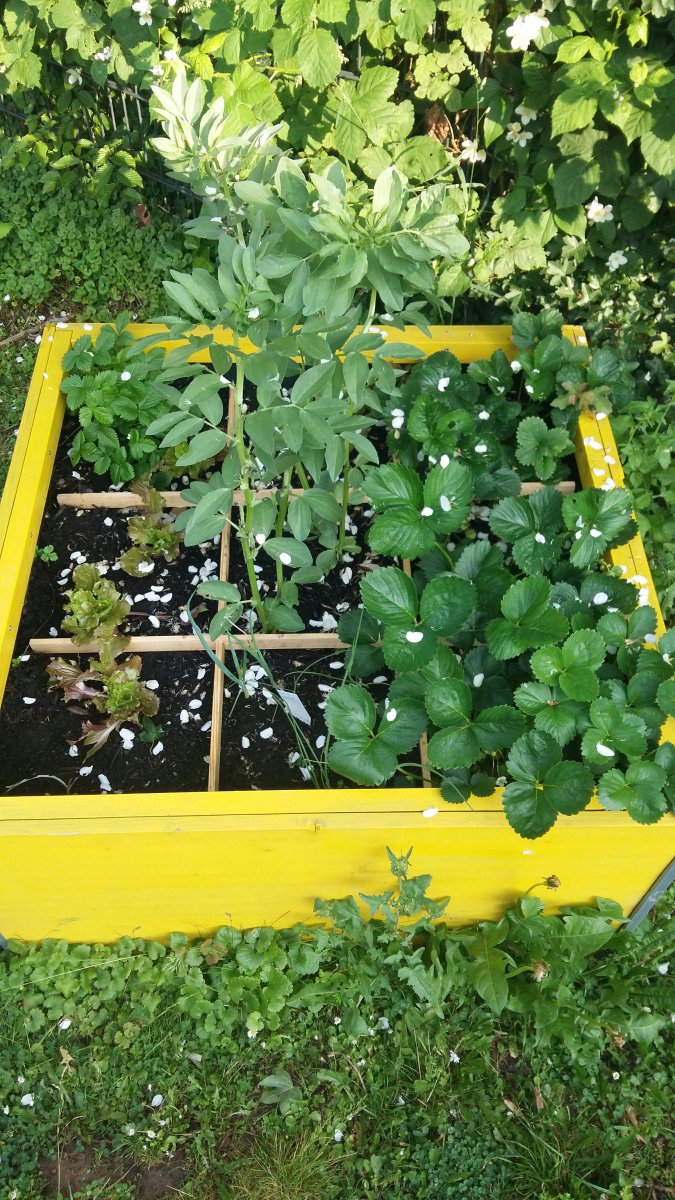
x,y
541,447
572,666
528,620
543,785
599,520
553,713
612,733
533,525
639,791
462,740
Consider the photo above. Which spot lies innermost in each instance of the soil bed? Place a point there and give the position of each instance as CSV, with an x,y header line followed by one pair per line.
x,y
35,739
259,748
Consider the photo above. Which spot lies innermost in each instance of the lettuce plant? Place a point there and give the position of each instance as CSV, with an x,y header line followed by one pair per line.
x,y
153,535
95,608
114,689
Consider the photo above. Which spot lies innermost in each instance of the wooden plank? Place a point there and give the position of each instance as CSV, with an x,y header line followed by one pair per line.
x,y
92,869
179,643
37,452
123,500
26,427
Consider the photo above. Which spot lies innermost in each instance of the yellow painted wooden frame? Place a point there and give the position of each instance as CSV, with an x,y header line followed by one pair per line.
x,y
95,868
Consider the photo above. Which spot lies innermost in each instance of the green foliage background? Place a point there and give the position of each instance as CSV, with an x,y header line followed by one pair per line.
x,y
371,82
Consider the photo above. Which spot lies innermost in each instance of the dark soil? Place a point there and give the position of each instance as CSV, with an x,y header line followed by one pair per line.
x,y
77,1170
335,594
35,739
251,761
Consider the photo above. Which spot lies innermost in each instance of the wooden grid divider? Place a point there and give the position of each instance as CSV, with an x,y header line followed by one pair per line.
x,y
86,500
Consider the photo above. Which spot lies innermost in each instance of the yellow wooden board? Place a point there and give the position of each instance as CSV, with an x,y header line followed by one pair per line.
x,y
93,868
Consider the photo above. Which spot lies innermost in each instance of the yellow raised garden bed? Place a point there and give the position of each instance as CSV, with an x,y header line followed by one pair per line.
x,y
95,868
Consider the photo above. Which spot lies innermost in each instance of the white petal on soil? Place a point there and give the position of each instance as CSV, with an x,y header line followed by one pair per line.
x,y
266,733
157,748
295,706
152,684
604,750
184,716
346,575
320,742
414,636
86,770
73,752
195,704
104,783
245,742
336,666
154,621
380,679
29,699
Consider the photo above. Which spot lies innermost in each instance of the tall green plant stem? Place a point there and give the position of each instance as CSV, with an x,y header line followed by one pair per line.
x,y
281,521
345,474
245,528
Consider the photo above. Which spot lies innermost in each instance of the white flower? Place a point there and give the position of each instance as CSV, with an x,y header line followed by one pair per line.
x,y
525,29
453,1056
251,1033
156,70
338,1135
28,1100
144,10
616,1075
597,212
74,76
471,153
526,114
337,1020
171,56
103,55
500,781
616,259
517,134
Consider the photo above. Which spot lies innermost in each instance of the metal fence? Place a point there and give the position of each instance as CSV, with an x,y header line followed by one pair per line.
x,y
126,113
